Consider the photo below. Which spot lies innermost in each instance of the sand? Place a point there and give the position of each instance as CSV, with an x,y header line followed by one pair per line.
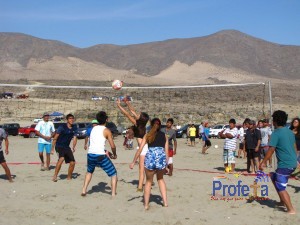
x,y
34,199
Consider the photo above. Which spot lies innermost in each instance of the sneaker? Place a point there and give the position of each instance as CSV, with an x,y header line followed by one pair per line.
x,y
42,168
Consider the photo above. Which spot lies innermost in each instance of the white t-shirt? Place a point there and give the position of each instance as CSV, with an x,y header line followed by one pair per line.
x,y
265,133
97,141
241,134
230,143
46,129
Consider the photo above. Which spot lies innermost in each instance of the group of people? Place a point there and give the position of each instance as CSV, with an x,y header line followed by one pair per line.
x,y
157,147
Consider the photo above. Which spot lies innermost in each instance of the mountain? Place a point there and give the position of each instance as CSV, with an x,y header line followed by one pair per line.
x,y
229,49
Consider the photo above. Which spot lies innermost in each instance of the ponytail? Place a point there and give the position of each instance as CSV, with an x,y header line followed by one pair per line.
x,y
155,127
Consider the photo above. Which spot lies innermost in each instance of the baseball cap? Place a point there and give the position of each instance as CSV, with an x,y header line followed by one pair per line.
x,y
95,122
45,114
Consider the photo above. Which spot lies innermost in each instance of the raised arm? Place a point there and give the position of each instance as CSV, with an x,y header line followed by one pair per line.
x,y
127,114
132,110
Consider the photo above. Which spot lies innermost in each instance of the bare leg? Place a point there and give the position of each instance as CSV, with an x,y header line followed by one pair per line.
x,y
7,171
239,153
147,190
70,170
232,167
48,161
141,172
256,161
162,186
284,195
114,181
170,169
87,180
42,160
57,168
252,165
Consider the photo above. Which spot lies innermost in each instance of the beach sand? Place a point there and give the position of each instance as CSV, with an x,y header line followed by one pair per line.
x,y
34,199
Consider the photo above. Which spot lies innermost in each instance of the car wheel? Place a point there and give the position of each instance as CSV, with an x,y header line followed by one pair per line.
x,y
32,135
184,136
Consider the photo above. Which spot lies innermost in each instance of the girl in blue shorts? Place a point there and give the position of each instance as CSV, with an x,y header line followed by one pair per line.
x,y
155,160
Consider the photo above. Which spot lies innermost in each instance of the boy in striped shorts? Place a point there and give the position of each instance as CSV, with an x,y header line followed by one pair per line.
x,y
97,155
230,134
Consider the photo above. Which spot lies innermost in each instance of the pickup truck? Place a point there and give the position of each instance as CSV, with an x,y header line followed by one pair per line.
x,y
27,132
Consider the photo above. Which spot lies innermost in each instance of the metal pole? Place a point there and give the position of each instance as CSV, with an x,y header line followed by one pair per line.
x,y
271,121
271,107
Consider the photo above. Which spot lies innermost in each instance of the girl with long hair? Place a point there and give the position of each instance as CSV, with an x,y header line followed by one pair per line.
x,y
295,127
155,160
139,122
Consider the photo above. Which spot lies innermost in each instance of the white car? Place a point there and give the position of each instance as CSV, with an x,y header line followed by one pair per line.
x,y
215,130
36,120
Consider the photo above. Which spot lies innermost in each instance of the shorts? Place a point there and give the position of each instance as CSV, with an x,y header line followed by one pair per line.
x,y
280,178
207,143
101,161
241,146
170,161
42,146
228,156
200,136
192,138
251,154
145,150
2,159
65,153
171,152
155,158
263,151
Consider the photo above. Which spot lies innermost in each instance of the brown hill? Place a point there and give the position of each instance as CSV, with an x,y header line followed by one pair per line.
x,y
225,49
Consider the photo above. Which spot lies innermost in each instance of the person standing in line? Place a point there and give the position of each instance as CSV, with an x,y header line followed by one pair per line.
x,y
4,136
98,156
265,132
295,127
206,140
139,122
61,142
230,134
155,161
283,143
45,131
241,134
192,132
252,145
171,135
201,130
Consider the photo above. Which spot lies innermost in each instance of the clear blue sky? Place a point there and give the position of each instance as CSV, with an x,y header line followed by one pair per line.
x,y
89,22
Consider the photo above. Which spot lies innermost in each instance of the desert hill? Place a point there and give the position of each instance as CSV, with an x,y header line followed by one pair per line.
x,y
226,52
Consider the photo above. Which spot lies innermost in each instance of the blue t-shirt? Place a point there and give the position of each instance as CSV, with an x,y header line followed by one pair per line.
x,y
65,135
88,131
283,139
205,134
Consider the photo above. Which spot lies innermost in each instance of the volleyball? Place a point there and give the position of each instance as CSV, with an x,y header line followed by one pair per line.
x,y
216,146
117,84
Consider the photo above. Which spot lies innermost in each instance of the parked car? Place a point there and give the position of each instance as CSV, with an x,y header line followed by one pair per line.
x,y
215,130
81,129
113,128
11,128
182,132
36,120
56,125
7,95
27,132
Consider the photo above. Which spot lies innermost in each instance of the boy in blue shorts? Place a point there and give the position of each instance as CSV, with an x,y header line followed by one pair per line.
x,y
282,142
45,130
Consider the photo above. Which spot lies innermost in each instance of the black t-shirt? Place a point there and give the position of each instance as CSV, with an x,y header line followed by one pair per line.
x,y
251,138
159,141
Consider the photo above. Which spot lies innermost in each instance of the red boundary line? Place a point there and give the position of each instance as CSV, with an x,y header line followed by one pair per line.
x,y
191,170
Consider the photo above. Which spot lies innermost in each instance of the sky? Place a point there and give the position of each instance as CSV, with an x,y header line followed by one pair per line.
x,y
90,22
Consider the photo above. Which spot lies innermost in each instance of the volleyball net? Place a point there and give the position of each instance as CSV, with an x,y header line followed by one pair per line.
x,y
186,104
